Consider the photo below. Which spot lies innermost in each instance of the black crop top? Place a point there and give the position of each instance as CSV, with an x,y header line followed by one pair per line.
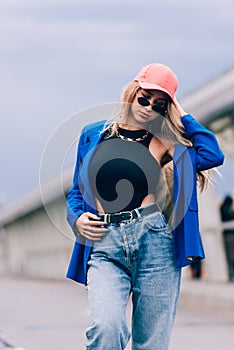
x,y
122,172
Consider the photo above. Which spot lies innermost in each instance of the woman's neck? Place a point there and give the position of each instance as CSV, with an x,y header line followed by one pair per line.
x,y
133,126
130,126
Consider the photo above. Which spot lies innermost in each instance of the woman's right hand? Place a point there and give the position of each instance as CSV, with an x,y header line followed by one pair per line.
x,y
89,226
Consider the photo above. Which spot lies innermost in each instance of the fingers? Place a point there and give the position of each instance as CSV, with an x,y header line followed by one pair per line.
x,y
90,226
92,233
93,236
175,100
179,108
92,216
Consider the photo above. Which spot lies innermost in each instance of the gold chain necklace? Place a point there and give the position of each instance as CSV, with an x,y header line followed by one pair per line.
x,y
138,139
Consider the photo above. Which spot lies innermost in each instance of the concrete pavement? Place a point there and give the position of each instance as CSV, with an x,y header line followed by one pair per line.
x,y
46,315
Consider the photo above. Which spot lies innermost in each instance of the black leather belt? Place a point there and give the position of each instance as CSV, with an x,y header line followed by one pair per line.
x,y
125,216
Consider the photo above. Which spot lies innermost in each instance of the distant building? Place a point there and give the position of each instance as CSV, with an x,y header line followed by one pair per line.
x,y
213,106
31,245
34,245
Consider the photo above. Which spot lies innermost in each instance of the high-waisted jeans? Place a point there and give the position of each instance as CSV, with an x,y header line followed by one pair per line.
x,y
133,257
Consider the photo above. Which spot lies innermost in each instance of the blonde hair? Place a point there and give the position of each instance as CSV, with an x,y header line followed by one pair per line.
x,y
170,127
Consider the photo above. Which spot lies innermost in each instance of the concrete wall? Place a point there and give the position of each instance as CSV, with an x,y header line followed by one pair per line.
x,y
215,264
34,247
3,252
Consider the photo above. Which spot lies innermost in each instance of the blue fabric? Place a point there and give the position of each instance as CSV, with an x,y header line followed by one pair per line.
x,y
204,154
136,257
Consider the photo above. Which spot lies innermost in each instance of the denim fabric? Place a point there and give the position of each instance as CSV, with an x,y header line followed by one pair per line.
x,y
133,257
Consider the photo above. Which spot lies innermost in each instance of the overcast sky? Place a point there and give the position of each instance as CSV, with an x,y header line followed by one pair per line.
x,y
60,56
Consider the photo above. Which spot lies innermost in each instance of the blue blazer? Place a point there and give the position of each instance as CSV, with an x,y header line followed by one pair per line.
x,y
187,161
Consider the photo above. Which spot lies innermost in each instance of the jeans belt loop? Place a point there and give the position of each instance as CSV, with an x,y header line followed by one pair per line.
x,y
107,218
137,212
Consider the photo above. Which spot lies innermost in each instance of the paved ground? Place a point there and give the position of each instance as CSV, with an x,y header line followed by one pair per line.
x,y
39,315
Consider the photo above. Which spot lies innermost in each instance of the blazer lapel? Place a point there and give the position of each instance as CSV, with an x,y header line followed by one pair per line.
x,y
179,150
95,137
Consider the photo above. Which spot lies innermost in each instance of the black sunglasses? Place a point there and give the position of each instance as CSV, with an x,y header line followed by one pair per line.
x,y
159,107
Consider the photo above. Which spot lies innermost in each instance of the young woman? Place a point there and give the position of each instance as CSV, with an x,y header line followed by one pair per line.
x,y
133,209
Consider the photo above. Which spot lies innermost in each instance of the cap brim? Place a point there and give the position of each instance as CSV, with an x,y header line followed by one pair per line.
x,y
150,86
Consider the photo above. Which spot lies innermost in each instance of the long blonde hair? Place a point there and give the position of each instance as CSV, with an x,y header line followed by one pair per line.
x,y
170,127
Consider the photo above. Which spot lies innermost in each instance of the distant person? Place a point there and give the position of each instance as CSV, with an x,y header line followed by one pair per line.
x,y
124,246
196,269
226,209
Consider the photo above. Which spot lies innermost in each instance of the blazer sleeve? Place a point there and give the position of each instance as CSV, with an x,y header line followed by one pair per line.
x,y
208,152
74,196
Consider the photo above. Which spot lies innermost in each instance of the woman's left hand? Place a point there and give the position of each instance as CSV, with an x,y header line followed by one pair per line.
x,y
179,108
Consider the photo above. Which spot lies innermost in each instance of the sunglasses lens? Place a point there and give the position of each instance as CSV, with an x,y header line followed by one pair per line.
x,y
143,101
159,110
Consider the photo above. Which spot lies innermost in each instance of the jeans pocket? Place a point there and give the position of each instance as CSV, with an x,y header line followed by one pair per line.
x,y
156,222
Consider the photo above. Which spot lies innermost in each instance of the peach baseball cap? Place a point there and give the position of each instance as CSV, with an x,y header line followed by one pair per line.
x,y
157,76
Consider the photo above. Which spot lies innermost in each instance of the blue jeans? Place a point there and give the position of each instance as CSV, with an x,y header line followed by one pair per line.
x,y
134,257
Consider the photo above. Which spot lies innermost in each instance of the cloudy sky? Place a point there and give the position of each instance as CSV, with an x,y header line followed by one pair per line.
x,y
58,57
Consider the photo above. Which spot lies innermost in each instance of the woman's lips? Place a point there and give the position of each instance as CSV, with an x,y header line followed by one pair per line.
x,y
144,115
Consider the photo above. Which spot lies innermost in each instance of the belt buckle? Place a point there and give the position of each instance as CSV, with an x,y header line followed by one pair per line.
x,y
127,212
